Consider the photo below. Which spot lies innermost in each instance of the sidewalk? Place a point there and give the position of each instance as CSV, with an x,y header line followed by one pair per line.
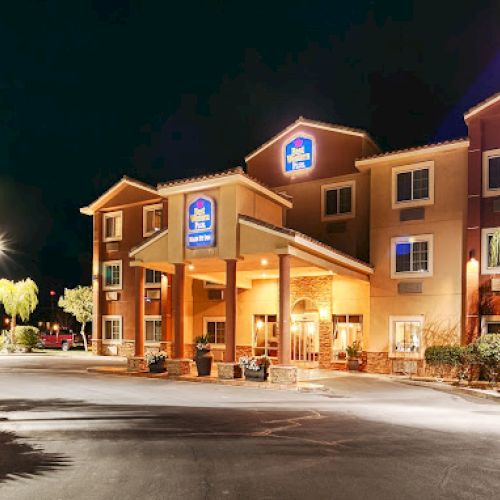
x,y
301,386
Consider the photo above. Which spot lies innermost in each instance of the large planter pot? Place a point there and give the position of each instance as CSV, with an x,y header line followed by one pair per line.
x,y
158,367
204,360
353,365
256,375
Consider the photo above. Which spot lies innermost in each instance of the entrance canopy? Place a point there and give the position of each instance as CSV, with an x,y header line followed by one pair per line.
x,y
260,245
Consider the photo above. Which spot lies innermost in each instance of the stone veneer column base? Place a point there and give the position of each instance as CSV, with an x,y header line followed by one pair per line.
x,y
378,362
96,347
178,366
136,363
228,371
283,374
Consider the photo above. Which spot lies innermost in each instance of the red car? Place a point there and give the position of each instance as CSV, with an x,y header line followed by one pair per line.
x,y
62,338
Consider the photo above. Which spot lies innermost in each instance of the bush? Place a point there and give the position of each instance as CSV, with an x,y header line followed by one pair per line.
x,y
487,350
444,355
27,336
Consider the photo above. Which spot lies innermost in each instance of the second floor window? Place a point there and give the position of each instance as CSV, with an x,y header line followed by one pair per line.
x,y
413,185
412,256
112,275
152,278
152,219
337,200
112,226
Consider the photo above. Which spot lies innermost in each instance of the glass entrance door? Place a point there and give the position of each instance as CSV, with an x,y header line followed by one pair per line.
x,y
305,340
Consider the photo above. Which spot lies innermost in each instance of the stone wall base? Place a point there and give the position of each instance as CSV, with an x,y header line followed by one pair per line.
x,y
136,363
178,366
283,374
227,371
378,362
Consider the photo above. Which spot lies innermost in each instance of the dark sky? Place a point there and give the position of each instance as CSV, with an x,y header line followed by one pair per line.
x,y
90,91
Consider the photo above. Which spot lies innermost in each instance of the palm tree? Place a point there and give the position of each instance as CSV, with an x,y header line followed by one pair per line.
x,y
19,299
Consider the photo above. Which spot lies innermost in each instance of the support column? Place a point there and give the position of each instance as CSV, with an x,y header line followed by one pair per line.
x,y
231,291
97,285
178,309
284,354
139,311
166,313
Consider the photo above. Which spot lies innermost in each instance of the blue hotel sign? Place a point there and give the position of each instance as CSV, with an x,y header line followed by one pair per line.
x,y
201,223
299,154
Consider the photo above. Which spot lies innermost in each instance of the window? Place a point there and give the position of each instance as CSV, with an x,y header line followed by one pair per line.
x,y
491,173
112,328
152,278
152,328
337,200
490,325
112,275
265,335
490,250
112,226
411,257
152,216
215,330
347,328
406,335
413,185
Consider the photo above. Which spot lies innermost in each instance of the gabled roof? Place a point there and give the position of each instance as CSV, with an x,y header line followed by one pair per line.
x,y
301,121
124,181
426,148
303,239
482,105
207,181
148,241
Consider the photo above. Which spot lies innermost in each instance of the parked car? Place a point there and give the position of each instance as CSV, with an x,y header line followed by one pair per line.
x,y
61,338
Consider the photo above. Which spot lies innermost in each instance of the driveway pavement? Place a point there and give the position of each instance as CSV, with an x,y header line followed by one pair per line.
x,y
70,434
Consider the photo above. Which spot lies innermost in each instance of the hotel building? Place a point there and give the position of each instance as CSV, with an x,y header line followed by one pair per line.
x,y
322,240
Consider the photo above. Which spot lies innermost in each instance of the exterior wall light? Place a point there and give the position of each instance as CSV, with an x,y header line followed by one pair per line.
x,y
264,262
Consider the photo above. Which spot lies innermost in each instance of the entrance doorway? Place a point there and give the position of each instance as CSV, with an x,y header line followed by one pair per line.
x,y
304,336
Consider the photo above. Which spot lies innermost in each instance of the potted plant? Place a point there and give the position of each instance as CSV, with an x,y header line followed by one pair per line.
x,y
203,357
353,353
156,361
256,367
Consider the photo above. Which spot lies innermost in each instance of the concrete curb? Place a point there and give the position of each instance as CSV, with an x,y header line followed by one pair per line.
x,y
444,387
305,387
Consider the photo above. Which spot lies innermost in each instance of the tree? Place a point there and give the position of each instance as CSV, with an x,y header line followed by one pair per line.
x,y
19,298
78,302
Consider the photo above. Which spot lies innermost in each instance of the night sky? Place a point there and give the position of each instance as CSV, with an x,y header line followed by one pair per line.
x,y
90,91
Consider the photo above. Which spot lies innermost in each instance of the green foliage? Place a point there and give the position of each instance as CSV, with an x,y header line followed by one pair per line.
x,y
444,355
354,349
494,253
19,298
27,336
488,353
78,302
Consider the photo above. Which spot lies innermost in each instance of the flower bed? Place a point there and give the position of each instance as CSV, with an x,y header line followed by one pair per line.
x,y
255,367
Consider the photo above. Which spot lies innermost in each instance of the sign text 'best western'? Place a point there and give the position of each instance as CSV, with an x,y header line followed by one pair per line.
x,y
200,223
299,154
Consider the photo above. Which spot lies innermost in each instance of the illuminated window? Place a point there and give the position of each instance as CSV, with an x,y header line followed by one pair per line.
x,y
411,257
406,335
490,250
112,226
337,200
152,278
112,275
265,335
347,328
215,329
152,328
152,219
112,328
413,185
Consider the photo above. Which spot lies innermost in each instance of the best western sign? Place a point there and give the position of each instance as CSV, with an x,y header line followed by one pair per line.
x,y
200,231
299,154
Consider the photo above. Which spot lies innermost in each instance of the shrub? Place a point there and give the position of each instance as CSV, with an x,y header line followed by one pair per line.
x,y
27,336
444,355
487,350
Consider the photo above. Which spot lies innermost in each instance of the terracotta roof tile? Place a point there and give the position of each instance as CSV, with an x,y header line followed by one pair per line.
x,y
482,104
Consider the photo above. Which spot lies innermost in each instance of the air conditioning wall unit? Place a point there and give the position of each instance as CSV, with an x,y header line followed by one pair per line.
x,y
214,294
111,295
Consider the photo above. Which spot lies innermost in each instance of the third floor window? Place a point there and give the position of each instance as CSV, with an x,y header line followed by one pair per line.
x,y
413,185
152,219
112,226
